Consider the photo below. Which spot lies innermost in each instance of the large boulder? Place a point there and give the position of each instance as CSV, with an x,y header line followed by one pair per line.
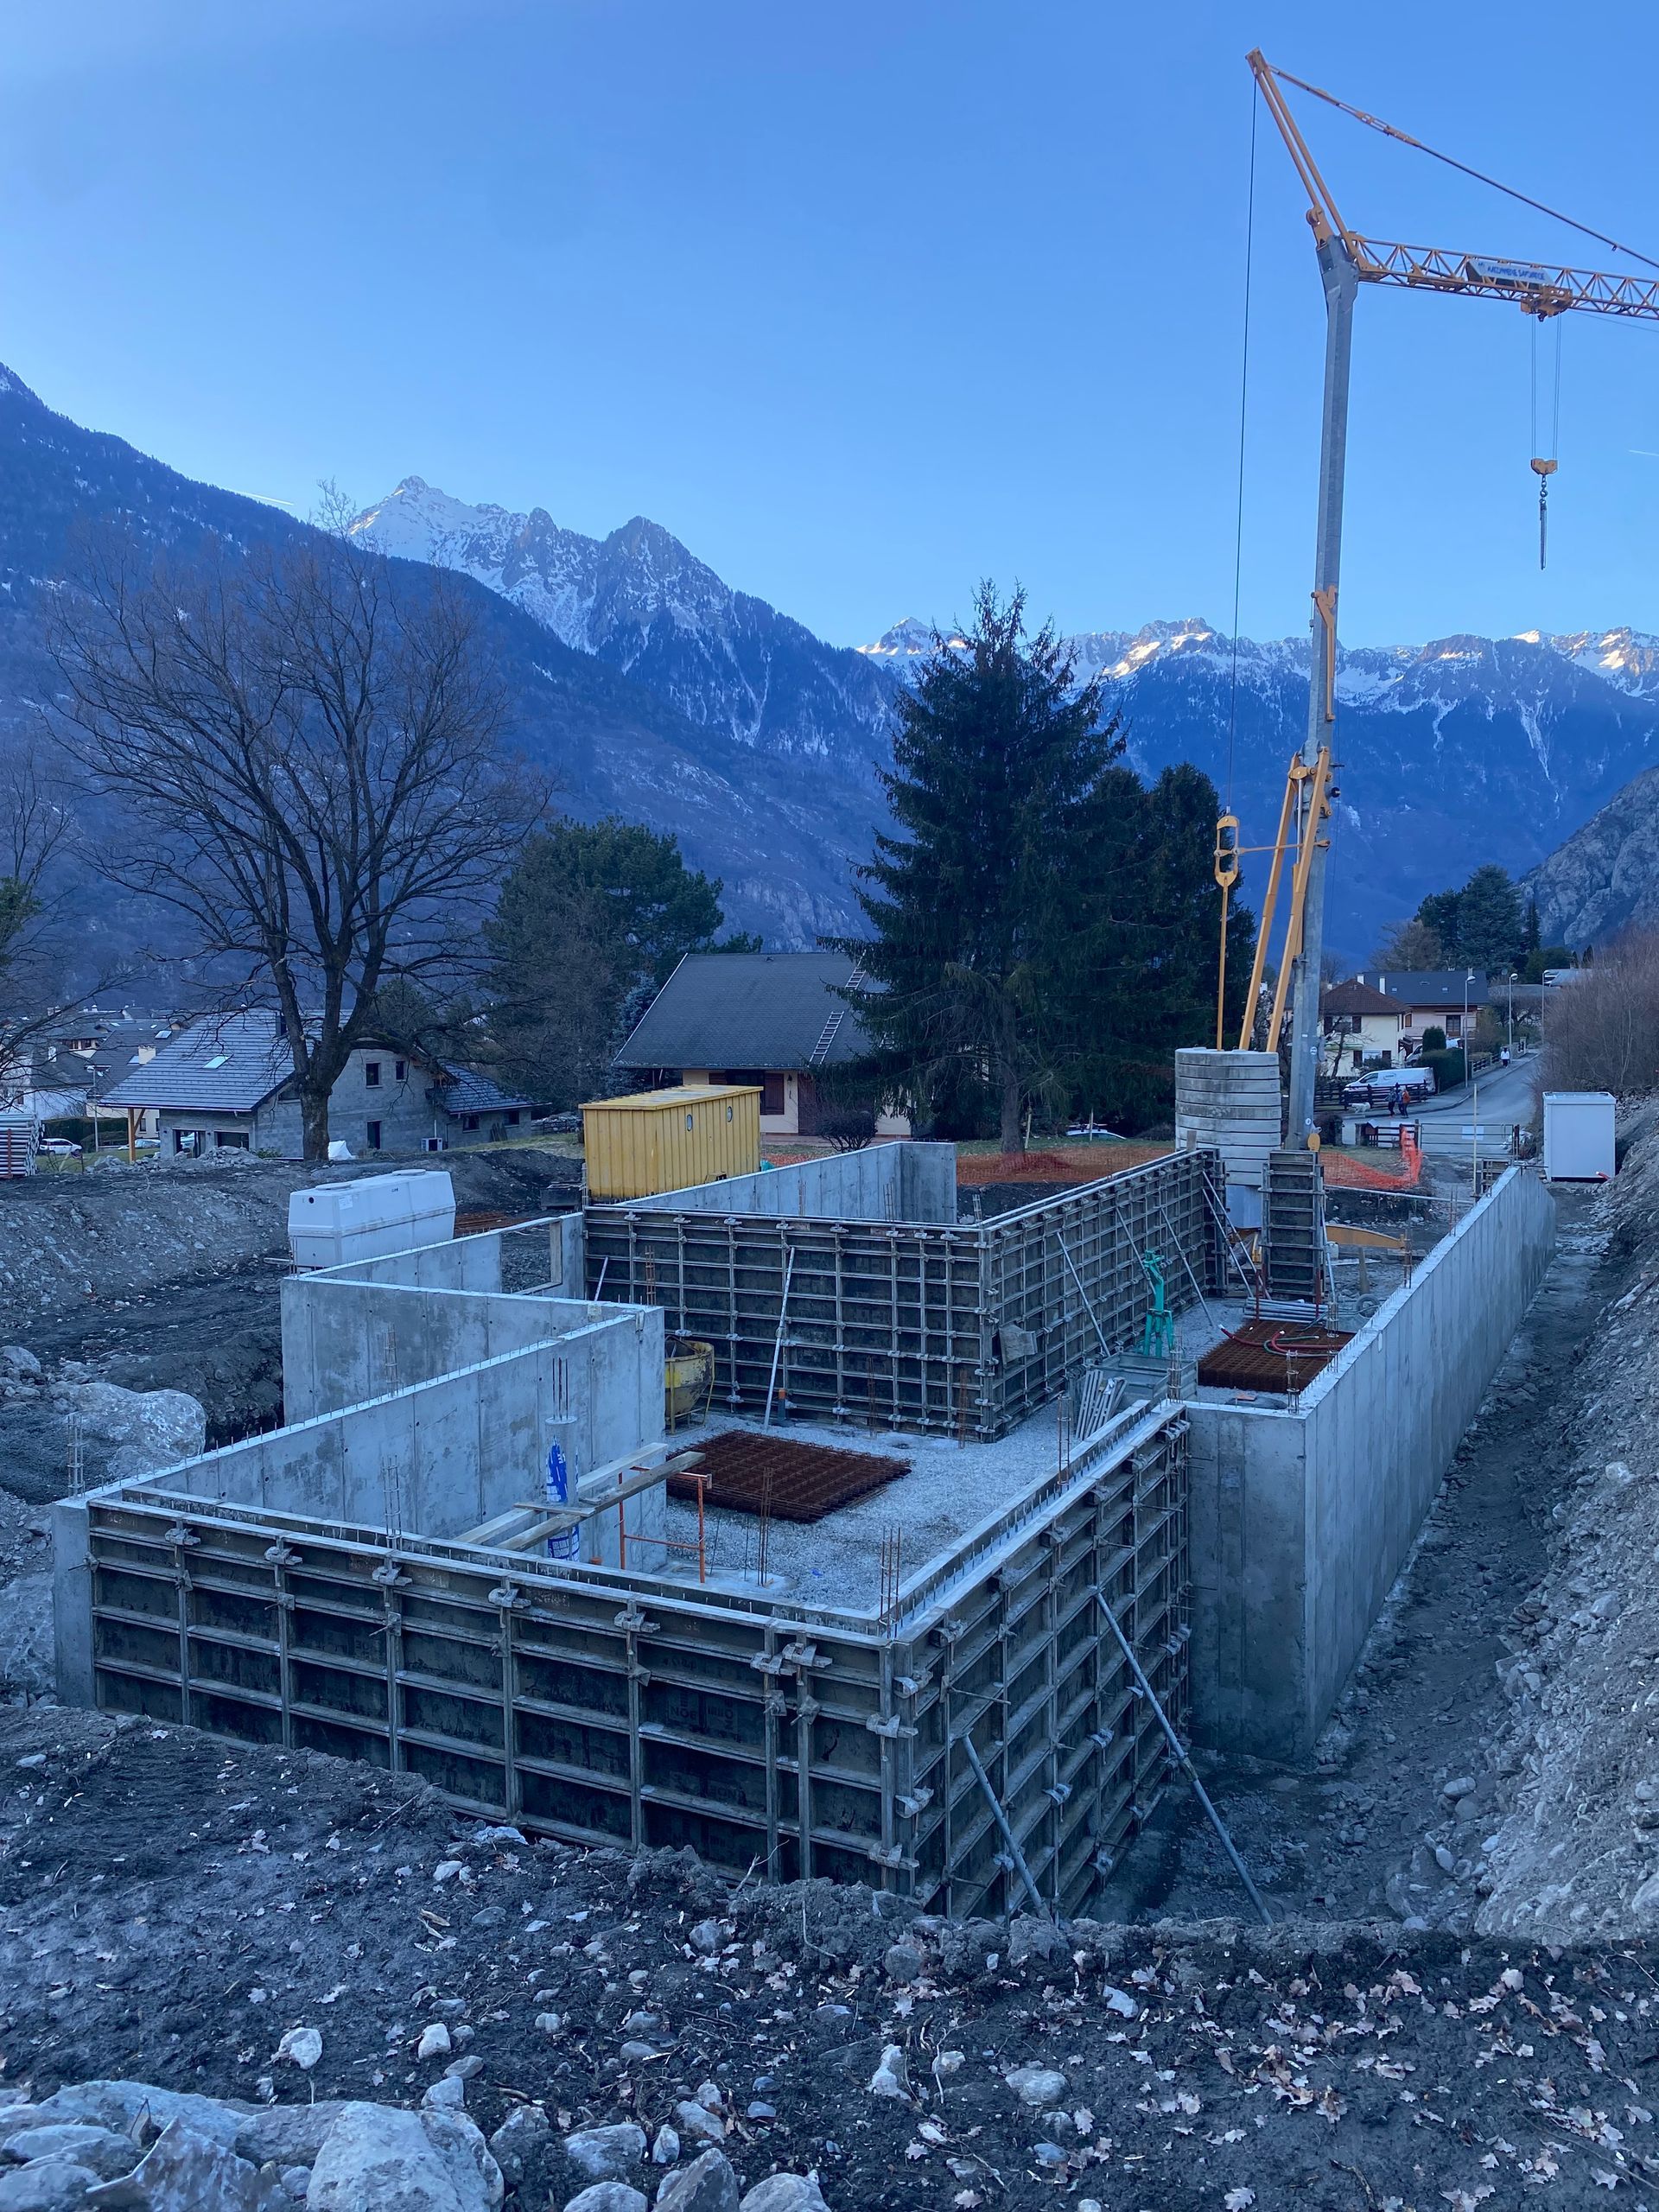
x,y
125,1433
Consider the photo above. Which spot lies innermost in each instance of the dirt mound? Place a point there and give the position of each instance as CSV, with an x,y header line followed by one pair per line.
x,y
174,1907
1579,1853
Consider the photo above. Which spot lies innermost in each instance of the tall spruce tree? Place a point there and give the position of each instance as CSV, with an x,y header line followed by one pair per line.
x,y
1044,929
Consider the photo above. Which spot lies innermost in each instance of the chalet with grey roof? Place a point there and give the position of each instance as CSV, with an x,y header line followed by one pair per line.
x,y
227,1083
772,1020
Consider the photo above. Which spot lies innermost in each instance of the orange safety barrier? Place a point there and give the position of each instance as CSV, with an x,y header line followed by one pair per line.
x,y
1342,1173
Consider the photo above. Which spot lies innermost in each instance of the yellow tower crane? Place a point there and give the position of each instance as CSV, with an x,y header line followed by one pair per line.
x,y
1346,261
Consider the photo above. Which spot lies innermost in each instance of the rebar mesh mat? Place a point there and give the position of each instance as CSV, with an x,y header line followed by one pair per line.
x,y
1282,1356
791,1482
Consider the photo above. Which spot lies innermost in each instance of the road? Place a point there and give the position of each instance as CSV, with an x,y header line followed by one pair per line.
x,y
1499,1098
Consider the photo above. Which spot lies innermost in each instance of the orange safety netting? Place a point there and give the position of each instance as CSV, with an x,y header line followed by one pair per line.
x,y
1341,1172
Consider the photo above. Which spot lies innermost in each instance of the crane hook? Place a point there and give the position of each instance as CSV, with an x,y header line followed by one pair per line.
x,y
1544,470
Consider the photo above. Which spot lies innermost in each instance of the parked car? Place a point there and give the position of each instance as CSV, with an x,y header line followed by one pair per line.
x,y
61,1145
1395,1091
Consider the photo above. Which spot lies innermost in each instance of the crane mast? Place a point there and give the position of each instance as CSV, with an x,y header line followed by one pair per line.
x,y
1346,260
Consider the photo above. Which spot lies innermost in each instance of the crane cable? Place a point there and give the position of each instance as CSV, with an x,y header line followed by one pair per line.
x,y
1243,398
1376,122
1226,867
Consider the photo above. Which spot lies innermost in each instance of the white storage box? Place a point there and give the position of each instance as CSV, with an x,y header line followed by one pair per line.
x,y
1579,1136
366,1219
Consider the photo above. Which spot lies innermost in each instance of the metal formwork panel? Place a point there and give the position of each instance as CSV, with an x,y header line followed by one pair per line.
x,y
608,1708
1068,1272
964,1330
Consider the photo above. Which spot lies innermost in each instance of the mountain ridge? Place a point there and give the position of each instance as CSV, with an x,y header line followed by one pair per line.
x,y
1455,751
612,744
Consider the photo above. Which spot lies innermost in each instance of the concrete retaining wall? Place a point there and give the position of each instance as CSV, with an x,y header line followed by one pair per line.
x,y
1301,1520
374,1326
884,1182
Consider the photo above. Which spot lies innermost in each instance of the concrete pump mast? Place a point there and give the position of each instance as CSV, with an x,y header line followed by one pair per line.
x,y
1346,261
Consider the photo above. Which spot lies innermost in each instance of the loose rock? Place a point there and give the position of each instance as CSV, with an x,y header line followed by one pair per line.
x,y
607,2197
707,2184
605,2153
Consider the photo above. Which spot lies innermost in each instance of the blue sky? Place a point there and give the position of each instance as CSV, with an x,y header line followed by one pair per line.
x,y
863,301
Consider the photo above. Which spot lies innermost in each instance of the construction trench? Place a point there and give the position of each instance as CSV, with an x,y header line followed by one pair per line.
x,y
920,1688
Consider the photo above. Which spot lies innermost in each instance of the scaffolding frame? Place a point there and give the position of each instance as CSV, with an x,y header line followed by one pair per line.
x,y
964,1328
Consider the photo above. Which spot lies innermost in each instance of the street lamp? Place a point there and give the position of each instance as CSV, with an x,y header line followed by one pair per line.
x,y
1474,1094
1512,1013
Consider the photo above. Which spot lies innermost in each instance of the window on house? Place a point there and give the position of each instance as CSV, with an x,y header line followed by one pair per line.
x,y
371,1074
374,1136
771,1094
399,1071
469,1121
231,1140
514,1115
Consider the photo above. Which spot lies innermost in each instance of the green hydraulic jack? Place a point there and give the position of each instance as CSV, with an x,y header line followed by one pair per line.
x,y
1158,1336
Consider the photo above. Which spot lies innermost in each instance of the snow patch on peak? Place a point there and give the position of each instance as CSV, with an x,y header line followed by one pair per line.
x,y
904,641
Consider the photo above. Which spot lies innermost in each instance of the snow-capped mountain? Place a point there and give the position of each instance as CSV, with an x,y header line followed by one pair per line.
x,y
1463,750
785,841
638,601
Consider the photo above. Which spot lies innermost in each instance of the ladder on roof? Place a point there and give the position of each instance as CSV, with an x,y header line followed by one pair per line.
x,y
832,1029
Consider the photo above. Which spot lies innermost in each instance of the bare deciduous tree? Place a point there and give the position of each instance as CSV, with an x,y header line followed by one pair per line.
x,y
309,745
1601,1030
35,826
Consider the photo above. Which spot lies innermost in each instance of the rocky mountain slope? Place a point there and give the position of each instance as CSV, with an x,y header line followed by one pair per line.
x,y
1605,877
783,844
641,602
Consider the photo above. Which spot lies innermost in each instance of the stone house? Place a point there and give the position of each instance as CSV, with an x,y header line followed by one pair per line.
x,y
227,1083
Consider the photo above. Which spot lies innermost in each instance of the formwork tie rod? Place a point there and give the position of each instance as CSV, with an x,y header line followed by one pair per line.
x,y
1001,1820
1181,1757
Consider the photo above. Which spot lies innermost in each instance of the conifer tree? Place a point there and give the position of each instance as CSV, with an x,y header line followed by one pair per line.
x,y
1044,929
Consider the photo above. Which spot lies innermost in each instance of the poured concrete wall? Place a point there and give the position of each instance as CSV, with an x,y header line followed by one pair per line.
x,y
1302,1519
428,1461
373,1326
884,1182
433,1459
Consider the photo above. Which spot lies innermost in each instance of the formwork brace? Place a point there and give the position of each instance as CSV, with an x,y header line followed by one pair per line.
x,y
1001,1820
1183,1757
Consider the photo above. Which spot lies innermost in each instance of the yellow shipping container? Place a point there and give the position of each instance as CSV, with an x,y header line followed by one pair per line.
x,y
667,1140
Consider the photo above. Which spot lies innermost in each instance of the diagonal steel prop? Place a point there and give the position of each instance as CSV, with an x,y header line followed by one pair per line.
x,y
1181,1757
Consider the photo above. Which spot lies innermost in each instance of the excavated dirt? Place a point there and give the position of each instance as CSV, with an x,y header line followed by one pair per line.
x,y
169,1279
1578,1852
170,1905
